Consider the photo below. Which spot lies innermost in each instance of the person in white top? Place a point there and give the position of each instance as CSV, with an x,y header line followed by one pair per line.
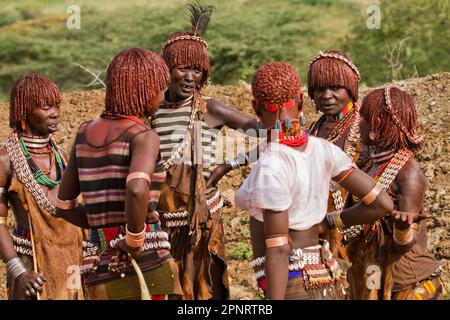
x,y
287,191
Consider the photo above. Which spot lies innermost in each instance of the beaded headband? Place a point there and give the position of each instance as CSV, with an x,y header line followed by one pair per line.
x,y
181,38
273,107
338,57
413,137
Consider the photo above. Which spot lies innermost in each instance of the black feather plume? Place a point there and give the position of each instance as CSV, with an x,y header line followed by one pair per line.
x,y
199,14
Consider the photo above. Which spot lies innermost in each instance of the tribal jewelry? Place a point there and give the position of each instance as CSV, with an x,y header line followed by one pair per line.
x,y
338,57
384,181
24,174
40,177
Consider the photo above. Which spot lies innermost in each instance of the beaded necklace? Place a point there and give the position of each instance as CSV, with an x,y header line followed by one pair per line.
x,y
350,120
384,176
40,177
291,135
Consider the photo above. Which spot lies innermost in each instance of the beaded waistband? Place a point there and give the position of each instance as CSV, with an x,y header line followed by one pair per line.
x,y
214,202
99,253
316,265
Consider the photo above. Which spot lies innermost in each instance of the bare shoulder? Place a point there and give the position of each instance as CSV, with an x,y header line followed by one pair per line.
x,y
215,106
411,173
148,137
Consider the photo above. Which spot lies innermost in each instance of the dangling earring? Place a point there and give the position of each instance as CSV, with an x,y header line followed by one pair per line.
x,y
24,125
302,119
288,123
278,126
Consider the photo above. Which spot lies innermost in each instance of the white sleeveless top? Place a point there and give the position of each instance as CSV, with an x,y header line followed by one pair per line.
x,y
287,179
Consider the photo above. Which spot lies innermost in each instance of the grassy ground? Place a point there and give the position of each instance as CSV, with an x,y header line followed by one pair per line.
x,y
243,34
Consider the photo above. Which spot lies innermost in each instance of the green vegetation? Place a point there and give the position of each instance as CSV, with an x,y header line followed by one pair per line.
x,y
243,34
240,251
414,40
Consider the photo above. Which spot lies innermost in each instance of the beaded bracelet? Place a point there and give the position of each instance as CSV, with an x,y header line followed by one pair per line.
x,y
3,221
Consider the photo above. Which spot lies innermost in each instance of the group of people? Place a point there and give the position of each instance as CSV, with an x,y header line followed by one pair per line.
x,y
347,191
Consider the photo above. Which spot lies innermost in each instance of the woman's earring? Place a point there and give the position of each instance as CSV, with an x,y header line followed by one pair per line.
x,y
24,125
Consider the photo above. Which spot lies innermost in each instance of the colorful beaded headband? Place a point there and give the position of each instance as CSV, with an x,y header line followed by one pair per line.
x,y
338,57
183,37
413,137
273,106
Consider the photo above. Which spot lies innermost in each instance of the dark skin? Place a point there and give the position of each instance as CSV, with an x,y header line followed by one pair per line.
x,y
41,122
144,154
277,222
409,185
184,80
330,101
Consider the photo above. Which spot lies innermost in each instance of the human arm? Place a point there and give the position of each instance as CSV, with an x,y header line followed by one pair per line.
x,y
69,190
276,224
24,279
144,155
411,185
219,114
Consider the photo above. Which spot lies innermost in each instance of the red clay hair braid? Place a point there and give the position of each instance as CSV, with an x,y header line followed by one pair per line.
x,y
392,135
333,68
135,76
31,92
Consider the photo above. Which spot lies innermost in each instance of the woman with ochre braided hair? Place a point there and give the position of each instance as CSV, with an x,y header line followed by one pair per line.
x,y
395,245
286,195
41,249
187,123
333,85
114,166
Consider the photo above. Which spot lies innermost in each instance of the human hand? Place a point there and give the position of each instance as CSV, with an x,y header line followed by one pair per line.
x,y
403,219
27,285
124,249
217,174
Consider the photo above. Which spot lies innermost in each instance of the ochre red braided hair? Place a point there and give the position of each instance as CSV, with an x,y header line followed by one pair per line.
x,y
392,135
326,71
276,82
31,92
135,76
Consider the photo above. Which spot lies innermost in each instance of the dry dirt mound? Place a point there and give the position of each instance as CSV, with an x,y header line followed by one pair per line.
x,y
432,98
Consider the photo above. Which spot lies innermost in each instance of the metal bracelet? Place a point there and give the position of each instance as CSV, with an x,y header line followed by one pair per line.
x,y
234,163
16,267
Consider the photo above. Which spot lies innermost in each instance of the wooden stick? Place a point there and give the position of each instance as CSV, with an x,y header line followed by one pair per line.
x,y
33,247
